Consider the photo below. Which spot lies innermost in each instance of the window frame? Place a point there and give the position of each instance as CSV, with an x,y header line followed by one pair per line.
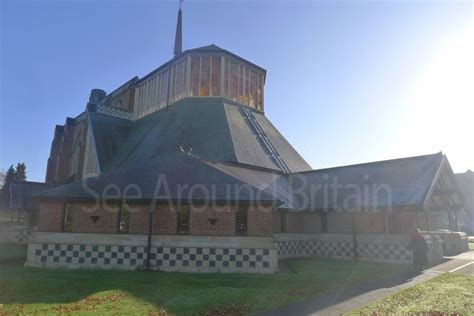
x,y
242,211
121,216
66,213
179,231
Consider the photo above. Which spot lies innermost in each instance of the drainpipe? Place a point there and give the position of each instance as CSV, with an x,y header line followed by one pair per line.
x,y
354,237
150,232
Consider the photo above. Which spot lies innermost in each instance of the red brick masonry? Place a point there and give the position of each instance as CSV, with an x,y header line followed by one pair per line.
x,y
87,218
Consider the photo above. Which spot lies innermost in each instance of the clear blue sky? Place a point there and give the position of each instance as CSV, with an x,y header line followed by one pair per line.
x,y
348,82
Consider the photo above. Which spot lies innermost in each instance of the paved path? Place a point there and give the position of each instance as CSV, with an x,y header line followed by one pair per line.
x,y
336,303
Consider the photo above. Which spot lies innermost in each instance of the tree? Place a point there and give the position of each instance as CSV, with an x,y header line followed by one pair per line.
x,y
9,177
2,178
20,172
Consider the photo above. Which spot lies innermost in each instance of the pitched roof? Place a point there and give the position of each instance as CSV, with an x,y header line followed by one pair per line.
x,y
171,177
408,180
212,128
109,133
22,192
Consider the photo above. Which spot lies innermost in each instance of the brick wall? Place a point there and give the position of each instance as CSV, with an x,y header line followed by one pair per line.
x,y
165,220
224,226
260,221
139,219
67,152
403,222
51,217
83,221
339,223
302,223
369,223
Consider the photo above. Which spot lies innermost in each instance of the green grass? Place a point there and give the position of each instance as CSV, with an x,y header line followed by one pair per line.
x,y
471,246
43,291
12,253
447,294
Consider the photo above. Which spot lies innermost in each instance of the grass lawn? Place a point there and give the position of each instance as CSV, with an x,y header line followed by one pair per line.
x,y
471,246
447,294
43,291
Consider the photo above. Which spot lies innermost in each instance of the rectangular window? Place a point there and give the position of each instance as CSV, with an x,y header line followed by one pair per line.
x,y
205,76
195,68
67,221
183,220
234,81
226,77
216,76
246,86
241,84
241,220
260,93
180,81
253,90
283,222
124,223
324,222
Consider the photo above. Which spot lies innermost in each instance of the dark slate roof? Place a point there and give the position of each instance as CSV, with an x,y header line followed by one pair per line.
x,y
408,179
162,177
22,192
466,186
270,181
211,128
109,132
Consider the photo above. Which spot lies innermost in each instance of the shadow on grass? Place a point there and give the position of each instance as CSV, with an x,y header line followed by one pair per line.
x,y
188,293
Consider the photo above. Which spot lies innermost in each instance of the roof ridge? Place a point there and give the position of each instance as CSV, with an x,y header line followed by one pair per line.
x,y
369,163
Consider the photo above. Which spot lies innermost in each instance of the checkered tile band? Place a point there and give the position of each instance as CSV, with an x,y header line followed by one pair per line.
x,y
315,248
384,252
396,252
22,236
166,258
117,112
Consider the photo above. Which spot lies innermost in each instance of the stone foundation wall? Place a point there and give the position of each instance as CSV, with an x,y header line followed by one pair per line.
x,y
18,236
168,253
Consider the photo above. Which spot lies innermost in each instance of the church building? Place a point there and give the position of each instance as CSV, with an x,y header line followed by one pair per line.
x,y
182,171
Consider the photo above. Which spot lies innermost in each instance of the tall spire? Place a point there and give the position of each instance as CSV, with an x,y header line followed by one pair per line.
x,y
178,40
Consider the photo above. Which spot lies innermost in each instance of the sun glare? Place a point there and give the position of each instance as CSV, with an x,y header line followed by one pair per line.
x,y
440,108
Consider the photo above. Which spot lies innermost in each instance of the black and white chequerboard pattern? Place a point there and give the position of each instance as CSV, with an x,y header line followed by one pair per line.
x,y
396,252
22,236
314,248
385,252
169,258
113,111
435,245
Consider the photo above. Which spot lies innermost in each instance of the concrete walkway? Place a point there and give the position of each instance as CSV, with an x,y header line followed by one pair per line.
x,y
336,303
